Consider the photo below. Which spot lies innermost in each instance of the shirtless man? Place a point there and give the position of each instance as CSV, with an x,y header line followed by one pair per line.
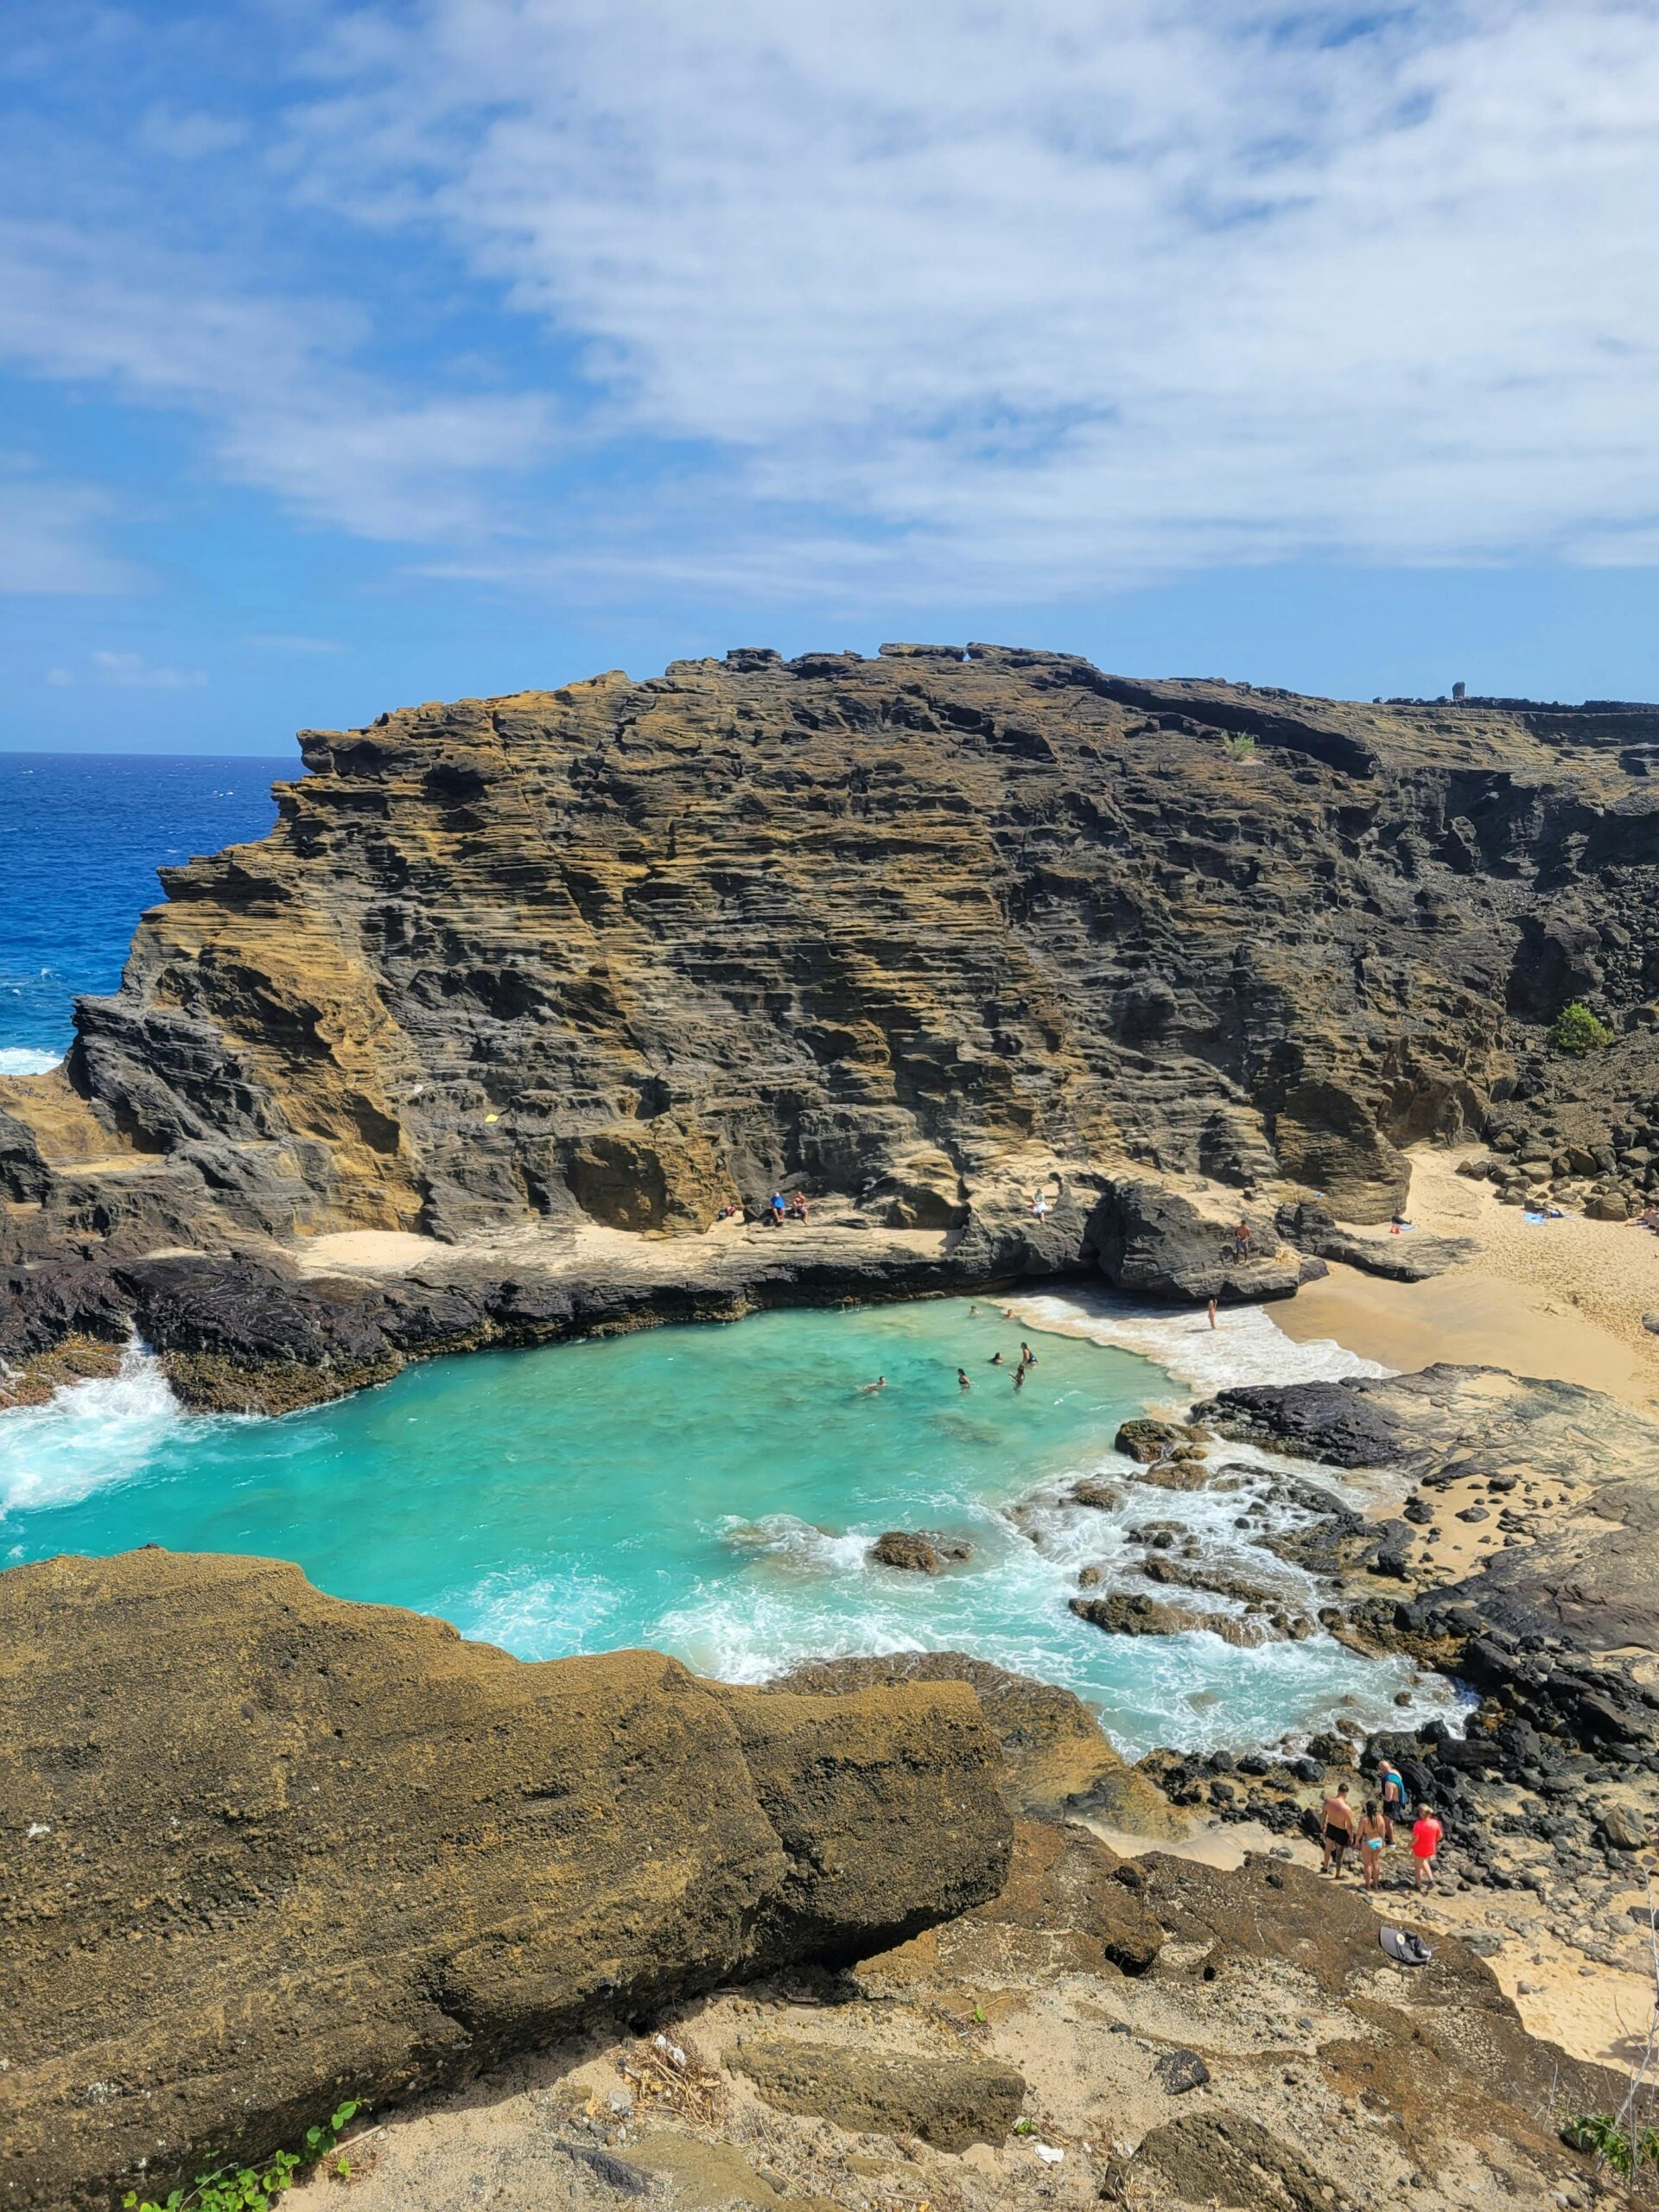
x,y
1337,1829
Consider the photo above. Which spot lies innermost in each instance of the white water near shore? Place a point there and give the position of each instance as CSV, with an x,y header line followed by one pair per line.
x,y
87,1437
25,1059
758,1558
1246,1345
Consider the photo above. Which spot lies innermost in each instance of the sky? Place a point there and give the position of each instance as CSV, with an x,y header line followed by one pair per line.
x,y
357,354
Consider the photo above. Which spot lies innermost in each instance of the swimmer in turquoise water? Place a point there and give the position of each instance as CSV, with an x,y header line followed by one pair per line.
x,y
880,1383
962,1379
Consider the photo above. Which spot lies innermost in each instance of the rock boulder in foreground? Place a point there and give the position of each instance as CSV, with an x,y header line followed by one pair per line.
x,y
266,1849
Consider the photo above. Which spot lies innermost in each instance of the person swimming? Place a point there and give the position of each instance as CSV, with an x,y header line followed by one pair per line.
x,y
962,1379
995,1360
880,1383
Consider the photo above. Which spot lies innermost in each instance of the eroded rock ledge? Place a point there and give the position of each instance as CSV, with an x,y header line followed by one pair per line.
x,y
265,1849
922,933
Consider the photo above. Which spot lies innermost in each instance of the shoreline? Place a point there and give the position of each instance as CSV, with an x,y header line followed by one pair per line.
x,y
1562,1300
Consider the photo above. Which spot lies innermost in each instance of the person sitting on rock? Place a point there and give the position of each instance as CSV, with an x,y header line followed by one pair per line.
x,y
797,1206
776,1209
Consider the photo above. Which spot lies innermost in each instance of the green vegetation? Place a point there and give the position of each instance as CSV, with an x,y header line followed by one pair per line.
x,y
1576,1031
1240,747
251,2189
1601,2134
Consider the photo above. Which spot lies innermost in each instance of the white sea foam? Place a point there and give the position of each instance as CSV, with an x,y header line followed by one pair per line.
x,y
535,1612
1247,1345
87,1437
25,1059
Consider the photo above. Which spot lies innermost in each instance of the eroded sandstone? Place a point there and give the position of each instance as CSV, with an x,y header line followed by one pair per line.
x,y
267,1850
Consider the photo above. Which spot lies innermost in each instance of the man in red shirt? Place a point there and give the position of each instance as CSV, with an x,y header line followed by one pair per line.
x,y
1425,1842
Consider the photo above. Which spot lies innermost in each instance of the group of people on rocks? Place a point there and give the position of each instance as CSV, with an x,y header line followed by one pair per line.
x,y
1371,1831
775,1212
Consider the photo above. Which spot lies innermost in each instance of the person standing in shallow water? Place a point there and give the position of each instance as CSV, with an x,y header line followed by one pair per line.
x,y
962,1383
1212,1313
1020,1376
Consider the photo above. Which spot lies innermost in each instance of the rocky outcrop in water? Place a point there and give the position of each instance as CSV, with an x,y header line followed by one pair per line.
x,y
267,1850
925,933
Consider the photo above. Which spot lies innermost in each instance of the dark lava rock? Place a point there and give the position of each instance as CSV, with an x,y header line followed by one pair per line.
x,y
1412,1257
1178,2071
1337,1423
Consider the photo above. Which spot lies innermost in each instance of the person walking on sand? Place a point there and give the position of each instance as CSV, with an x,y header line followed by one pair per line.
x,y
1212,1310
1371,1834
1425,1842
1337,1829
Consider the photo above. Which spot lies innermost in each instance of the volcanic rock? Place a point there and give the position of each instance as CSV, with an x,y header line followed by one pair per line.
x,y
274,1850
949,2102
926,934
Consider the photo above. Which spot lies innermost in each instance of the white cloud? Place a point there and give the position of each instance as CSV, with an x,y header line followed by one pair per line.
x,y
275,377
132,672
189,135
1037,297
51,533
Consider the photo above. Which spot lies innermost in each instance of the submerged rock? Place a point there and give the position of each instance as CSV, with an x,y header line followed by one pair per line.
x,y
282,1849
917,1554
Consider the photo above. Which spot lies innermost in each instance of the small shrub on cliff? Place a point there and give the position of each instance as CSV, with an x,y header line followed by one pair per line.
x,y
1576,1030
1242,747
251,2189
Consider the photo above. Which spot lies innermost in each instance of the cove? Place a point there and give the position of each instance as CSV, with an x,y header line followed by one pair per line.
x,y
711,1491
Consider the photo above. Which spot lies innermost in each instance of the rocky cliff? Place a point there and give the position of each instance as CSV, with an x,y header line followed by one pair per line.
x,y
918,932
266,1850
636,948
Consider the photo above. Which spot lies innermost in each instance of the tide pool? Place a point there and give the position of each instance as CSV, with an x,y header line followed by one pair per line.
x,y
712,1492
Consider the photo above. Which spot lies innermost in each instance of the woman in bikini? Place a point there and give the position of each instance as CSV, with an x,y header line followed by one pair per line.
x,y
1371,1834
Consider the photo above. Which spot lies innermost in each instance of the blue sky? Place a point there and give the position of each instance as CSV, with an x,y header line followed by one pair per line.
x,y
357,354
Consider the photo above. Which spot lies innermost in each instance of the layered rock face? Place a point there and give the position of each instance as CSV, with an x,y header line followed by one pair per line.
x,y
267,1850
915,929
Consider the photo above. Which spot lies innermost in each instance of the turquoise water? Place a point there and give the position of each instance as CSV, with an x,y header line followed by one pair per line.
x,y
711,1491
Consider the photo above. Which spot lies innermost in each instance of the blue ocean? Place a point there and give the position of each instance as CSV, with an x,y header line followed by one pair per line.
x,y
711,1491
81,837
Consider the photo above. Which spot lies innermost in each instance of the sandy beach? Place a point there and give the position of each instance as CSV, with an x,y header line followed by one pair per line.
x,y
1563,1299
